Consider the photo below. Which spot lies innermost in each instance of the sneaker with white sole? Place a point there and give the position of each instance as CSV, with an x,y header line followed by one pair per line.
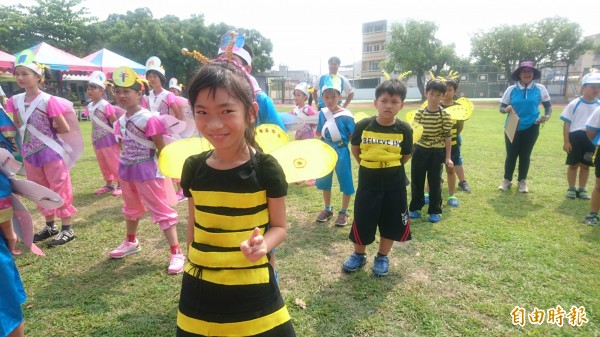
x,y
176,264
125,249
62,238
45,232
583,194
522,186
505,185
571,193
342,219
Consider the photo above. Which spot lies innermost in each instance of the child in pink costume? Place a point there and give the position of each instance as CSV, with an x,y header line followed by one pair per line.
x,y
301,94
303,110
142,136
107,149
40,117
161,101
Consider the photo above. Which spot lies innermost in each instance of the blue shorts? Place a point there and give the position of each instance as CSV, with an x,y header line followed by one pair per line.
x,y
11,291
343,170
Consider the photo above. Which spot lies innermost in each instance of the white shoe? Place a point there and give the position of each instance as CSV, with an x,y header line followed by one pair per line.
x,y
522,186
505,185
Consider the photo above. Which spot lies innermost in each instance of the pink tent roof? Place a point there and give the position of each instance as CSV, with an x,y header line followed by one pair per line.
x,y
57,59
109,60
7,61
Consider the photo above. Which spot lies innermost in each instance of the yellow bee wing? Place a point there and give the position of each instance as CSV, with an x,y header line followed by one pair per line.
x,y
410,116
270,137
417,131
360,116
459,112
173,155
305,159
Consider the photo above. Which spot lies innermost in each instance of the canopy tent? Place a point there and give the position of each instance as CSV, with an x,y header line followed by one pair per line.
x,y
60,60
109,60
7,62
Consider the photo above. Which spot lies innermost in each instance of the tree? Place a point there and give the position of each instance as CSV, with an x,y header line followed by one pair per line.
x,y
52,21
413,47
545,42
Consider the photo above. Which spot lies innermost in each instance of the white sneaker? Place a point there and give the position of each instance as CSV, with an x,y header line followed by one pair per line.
x,y
125,249
505,185
176,264
522,186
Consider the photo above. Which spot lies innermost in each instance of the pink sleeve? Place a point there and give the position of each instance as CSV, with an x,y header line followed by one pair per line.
x,y
54,108
109,110
144,102
310,111
10,107
117,129
171,99
155,127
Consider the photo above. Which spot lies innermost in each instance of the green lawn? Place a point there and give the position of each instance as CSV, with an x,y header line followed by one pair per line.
x,y
460,277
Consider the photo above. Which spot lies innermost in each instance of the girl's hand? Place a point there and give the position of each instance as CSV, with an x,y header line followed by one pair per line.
x,y
509,109
449,162
567,147
11,242
255,247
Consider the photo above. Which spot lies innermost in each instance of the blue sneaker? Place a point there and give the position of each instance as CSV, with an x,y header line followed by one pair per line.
x,y
453,201
426,198
414,214
435,218
380,266
354,262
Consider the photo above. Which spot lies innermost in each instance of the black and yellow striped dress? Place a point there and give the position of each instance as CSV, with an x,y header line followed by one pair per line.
x,y
224,294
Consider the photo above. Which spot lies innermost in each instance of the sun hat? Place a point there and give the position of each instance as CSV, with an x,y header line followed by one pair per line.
x,y
174,84
26,59
303,87
591,78
154,64
332,82
238,48
98,78
526,64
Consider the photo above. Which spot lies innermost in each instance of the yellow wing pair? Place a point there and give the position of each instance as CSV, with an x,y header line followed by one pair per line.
x,y
458,112
300,160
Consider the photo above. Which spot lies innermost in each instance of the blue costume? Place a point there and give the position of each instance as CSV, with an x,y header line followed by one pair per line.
x,y
343,166
266,111
12,294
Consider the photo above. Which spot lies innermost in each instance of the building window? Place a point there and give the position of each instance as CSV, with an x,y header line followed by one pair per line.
x,y
482,77
373,66
501,77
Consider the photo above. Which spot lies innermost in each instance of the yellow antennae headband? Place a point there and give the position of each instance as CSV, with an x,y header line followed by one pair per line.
x,y
400,77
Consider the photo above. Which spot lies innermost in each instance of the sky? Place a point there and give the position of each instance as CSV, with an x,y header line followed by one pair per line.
x,y
305,33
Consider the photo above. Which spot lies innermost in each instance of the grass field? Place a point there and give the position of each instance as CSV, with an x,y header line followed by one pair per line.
x,y
460,277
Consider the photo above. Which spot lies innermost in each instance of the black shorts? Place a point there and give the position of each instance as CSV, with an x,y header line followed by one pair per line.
x,y
581,149
386,209
456,156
